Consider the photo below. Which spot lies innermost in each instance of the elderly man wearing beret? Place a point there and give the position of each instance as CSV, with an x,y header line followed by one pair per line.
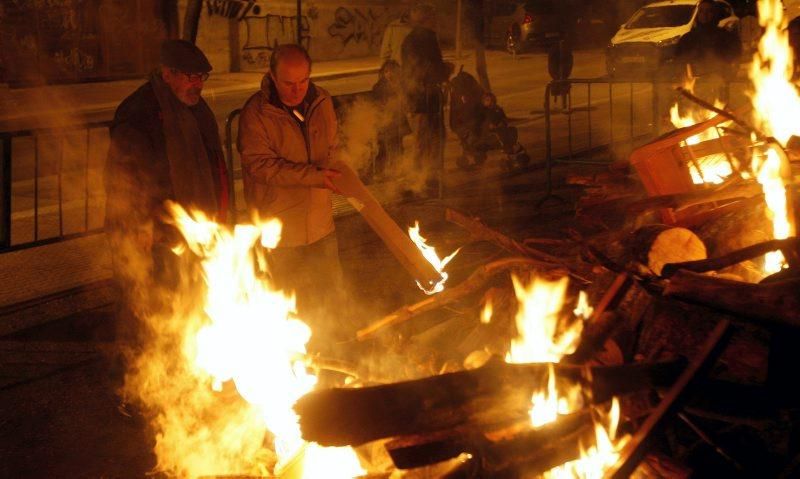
x,y
165,145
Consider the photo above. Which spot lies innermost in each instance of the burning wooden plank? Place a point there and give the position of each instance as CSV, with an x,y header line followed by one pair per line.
x,y
398,242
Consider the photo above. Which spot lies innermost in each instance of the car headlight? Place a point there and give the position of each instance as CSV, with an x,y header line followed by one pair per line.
x,y
669,41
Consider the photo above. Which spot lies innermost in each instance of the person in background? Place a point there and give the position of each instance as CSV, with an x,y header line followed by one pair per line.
x,y
393,36
709,48
424,72
387,93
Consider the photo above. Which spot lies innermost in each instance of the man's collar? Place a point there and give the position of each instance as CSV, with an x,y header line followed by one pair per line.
x,y
275,100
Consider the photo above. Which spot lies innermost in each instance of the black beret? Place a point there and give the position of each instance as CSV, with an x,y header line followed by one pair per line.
x,y
184,56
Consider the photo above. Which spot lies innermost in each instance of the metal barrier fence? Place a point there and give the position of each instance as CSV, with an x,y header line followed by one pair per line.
x,y
51,180
635,111
50,193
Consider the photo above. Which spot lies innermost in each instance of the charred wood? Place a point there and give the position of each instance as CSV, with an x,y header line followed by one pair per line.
x,y
776,303
634,451
789,247
603,322
493,394
517,443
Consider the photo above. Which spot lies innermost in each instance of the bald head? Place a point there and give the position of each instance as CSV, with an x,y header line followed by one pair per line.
x,y
288,53
290,69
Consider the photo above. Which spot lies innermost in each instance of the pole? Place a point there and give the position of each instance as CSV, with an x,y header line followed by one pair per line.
x,y
458,30
299,22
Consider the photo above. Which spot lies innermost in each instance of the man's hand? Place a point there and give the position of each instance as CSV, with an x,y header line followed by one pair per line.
x,y
328,175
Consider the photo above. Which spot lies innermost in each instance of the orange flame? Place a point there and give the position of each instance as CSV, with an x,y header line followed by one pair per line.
x,y
543,338
776,106
242,333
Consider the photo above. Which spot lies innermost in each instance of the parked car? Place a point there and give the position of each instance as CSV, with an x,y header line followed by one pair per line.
x,y
645,45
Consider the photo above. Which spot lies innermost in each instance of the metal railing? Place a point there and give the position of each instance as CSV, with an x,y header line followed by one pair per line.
x,y
41,200
45,199
642,104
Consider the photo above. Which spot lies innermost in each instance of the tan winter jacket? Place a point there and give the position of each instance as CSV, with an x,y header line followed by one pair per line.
x,y
281,162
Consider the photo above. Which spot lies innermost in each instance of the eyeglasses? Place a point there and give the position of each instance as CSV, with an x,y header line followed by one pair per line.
x,y
192,77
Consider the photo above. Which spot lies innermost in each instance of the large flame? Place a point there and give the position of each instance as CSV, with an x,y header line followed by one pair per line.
x,y
545,337
429,252
240,332
771,179
776,107
710,169
542,336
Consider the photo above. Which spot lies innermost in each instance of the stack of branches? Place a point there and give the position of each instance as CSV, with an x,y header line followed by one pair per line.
x,y
483,410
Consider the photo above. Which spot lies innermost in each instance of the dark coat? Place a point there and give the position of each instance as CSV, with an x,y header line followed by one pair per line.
x,y
709,49
423,67
137,173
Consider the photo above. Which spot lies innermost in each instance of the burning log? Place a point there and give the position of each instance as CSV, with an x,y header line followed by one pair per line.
x,y
496,393
777,303
653,246
395,239
499,447
473,284
602,323
789,247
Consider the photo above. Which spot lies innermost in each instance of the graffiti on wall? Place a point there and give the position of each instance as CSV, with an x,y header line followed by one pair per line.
x,y
358,31
265,32
75,60
356,26
235,9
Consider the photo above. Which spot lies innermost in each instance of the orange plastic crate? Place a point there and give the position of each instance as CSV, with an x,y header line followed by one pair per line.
x,y
662,165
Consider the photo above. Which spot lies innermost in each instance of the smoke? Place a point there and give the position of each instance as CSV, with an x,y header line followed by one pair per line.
x,y
360,134
198,431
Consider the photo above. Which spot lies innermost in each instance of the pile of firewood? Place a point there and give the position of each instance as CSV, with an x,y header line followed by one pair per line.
x,y
684,327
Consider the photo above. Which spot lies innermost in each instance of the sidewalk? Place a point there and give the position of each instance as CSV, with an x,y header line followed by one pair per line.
x,y
58,105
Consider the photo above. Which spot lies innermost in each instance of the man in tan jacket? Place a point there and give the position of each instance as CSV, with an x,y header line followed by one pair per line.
x,y
287,141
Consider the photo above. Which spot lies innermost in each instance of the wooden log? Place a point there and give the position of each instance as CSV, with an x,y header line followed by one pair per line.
x,y
776,303
398,242
501,446
526,456
496,393
653,246
789,247
635,450
472,284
